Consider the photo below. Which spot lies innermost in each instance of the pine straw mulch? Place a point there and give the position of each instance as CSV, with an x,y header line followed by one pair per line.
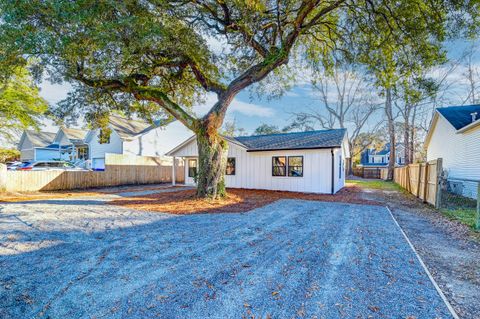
x,y
237,200
7,197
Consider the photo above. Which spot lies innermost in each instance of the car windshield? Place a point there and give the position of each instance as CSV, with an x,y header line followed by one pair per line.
x,y
25,164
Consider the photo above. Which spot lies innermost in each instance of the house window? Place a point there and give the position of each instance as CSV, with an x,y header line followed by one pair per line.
x,y
192,168
82,153
103,138
340,167
230,166
295,166
279,166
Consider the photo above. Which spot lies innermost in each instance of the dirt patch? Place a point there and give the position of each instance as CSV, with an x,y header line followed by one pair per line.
x,y
237,200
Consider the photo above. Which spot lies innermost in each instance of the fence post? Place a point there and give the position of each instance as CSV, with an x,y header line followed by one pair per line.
x,y
477,217
438,193
3,177
425,183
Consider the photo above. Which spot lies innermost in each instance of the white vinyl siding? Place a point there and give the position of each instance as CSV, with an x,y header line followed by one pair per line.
x,y
98,150
460,152
26,150
158,141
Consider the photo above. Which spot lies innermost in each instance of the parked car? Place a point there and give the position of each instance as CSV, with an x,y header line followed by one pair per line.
x,y
50,165
13,165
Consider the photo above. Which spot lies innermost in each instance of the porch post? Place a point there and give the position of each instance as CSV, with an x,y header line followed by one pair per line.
x,y
174,177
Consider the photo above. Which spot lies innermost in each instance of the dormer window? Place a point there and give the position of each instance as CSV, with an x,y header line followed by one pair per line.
x,y
103,137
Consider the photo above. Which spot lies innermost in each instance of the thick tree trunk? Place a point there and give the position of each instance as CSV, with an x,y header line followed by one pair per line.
x,y
391,132
212,162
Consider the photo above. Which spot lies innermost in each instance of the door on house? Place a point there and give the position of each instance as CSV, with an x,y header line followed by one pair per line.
x,y
192,170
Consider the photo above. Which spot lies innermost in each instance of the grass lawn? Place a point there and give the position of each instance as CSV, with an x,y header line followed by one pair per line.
x,y
459,208
375,184
463,215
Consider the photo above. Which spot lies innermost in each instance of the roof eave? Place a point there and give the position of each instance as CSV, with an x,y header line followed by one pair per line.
x,y
180,146
468,127
431,129
294,148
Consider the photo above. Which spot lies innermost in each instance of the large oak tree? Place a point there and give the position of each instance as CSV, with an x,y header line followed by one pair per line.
x,y
146,56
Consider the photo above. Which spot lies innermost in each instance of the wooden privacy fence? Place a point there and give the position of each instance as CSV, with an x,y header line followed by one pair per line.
x,y
119,170
371,172
422,180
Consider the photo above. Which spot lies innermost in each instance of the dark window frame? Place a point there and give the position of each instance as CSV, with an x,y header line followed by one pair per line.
x,y
288,165
234,166
189,167
285,166
340,167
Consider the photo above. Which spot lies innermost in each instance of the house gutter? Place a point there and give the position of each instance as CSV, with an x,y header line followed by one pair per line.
x,y
333,171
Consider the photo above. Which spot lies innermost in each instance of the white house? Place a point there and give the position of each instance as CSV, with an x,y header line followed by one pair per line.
x,y
134,137
454,136
127,136
31,141
310,162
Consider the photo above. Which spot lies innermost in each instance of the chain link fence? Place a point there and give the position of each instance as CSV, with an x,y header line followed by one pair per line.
x,y
460,199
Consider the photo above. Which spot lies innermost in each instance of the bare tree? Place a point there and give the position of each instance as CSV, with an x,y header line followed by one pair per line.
x,y
346,101
472,76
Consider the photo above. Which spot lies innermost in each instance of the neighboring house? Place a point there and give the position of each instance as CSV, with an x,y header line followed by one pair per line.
x,y
86,148
454,136
373,158
135,137
68,145
31,141
302,162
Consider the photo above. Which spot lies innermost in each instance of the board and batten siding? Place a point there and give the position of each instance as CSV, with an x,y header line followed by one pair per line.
x,y
460,152
254,169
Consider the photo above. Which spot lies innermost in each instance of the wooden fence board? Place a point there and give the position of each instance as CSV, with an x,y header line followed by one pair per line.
x,y
148,170
420,179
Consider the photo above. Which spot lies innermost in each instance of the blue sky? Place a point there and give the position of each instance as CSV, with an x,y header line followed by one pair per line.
x,y
250,112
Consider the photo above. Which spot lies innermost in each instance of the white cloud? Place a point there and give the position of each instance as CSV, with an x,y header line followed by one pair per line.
x,y
237,106
250,109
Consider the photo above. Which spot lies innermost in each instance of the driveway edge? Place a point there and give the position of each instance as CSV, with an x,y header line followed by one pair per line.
x,y
437,287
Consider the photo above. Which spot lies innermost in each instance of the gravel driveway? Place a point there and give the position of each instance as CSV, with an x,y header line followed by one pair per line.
x,y
291,259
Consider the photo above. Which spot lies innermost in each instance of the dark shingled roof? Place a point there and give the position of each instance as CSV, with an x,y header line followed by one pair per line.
x,y
292,141
460,116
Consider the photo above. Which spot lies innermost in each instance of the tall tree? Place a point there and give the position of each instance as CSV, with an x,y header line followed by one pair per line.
x,y
21,106
472,76
346,101
265,129
413,93
150,56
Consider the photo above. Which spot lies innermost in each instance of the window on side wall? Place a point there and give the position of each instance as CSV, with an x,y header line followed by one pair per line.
x,y
279,166
295,166
192,168
340,167
103,138
230,166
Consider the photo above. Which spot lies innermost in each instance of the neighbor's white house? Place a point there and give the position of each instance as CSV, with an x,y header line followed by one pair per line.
x,y
128,136
133,137
454,136
302,162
